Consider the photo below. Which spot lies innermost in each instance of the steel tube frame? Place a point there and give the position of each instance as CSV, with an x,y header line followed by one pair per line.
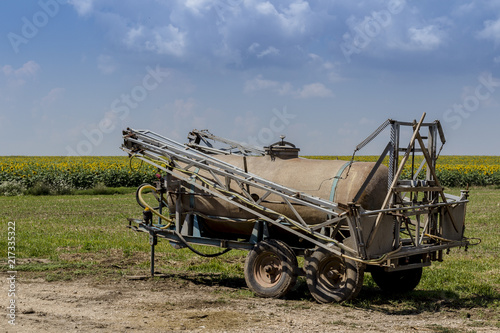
x,y
176,160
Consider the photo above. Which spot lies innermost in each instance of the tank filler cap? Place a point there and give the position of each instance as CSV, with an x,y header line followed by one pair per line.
x,y
282,149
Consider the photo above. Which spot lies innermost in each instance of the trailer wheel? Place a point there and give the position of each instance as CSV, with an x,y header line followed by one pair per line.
x,y
271,269
331,278
398,281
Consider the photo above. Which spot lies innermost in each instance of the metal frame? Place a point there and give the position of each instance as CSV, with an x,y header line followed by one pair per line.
x,y
196,137
430,208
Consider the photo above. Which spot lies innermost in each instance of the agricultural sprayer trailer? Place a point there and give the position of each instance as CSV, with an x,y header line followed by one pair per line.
x,y
343,217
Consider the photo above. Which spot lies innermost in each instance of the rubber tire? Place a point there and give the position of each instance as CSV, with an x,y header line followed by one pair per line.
x,y
397,282
276,252
329,290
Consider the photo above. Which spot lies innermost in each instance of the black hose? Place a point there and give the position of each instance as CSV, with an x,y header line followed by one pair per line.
x,y
199,253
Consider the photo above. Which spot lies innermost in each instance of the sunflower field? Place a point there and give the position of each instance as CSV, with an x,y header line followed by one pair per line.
x,y
64,174
452,171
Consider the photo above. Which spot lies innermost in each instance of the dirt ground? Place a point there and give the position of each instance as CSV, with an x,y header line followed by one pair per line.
x,y
183,303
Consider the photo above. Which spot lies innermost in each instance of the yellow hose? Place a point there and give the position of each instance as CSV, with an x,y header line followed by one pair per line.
x,y
141,199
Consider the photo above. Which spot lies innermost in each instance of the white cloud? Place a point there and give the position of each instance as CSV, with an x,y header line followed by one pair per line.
x,y
196,6
133,36
314,90
414,36
266,8
18,77
253,48
426,38
324,67
247,33
53,96
491,31
183,109
296,16
29,69
166,40
82,7
286,88
106,64
464,9
292,19
209,31
258,83
315,57
270,51
412,28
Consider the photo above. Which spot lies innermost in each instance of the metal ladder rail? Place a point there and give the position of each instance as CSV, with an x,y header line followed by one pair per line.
x,y
248,180
204,135
193,157
269,186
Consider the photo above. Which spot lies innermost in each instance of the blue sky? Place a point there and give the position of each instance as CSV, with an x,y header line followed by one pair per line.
x,y
325,73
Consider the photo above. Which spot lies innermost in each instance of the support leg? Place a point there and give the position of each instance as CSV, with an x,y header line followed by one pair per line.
x,y
153,240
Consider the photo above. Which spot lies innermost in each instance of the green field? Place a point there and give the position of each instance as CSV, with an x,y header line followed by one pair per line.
x,y
68,237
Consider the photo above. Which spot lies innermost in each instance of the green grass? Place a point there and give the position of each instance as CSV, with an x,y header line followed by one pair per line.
x,y
99,189
49,225
86,235
104,190
93,229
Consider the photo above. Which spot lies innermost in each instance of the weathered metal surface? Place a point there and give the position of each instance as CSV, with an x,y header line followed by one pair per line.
x,y
314,177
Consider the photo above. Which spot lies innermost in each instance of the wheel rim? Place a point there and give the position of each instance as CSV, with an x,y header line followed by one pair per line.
x,y
268,269
271,269
332,273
